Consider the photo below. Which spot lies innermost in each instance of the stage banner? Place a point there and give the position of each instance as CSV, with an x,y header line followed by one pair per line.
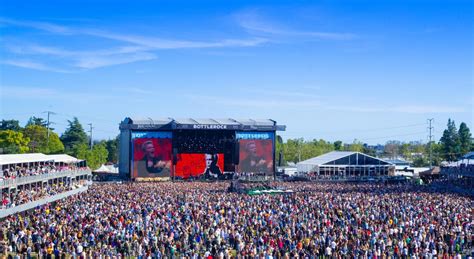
x,y
209,166
152,154
256,152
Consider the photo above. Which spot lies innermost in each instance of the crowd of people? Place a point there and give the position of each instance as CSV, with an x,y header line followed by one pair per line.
x,y
203,220
27,195
461,169
18,171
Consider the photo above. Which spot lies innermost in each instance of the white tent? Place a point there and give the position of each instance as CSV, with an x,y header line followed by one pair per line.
x,y
63,158
345,163
111,169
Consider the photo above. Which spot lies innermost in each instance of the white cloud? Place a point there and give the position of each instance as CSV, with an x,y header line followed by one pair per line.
x,y
91,62
44,26
312,102
140,50
32,65
253,22
160,43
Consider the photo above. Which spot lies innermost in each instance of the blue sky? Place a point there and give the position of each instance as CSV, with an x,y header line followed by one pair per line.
x,y
337,70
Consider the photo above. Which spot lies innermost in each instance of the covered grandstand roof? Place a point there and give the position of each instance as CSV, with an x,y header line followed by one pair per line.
x,y
36,157
203,123
339,158
23,158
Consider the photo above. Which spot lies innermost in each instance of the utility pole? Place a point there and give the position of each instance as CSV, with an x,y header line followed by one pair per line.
x,y
90,131
49,123
430,128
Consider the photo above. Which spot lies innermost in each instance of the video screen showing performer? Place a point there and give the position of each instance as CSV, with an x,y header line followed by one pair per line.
x,y
212,167
152,156
256,156
256,152
208,166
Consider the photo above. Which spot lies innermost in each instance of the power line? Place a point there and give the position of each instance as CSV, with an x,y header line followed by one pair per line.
x,y
430,128
48,125
90,131
364,130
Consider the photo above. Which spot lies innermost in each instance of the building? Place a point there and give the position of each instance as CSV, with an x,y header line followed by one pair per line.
x,y
162,149
345,164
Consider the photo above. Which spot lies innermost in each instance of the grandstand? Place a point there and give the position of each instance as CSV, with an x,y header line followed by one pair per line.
x,y
31,180
460,172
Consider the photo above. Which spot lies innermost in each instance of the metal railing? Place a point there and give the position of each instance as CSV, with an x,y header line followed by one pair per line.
x,y
34,204
42,177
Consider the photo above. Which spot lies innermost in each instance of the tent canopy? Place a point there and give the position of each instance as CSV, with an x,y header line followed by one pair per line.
x,y
107,169
64,158
340,158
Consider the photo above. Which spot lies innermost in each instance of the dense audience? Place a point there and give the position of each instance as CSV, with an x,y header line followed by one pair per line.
x,y
199,220
18,172
24,196
461,169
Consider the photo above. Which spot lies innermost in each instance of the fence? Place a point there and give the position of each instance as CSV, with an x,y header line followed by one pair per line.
x,y
42,177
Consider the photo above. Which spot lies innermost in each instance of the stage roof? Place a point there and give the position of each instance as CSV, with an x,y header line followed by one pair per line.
x,y
201,124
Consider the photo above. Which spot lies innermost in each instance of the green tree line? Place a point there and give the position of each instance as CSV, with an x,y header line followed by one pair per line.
x,y
37,137
452,145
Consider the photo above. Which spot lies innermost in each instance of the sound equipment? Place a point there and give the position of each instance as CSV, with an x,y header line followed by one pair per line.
x,y
280,158
236,153
175,156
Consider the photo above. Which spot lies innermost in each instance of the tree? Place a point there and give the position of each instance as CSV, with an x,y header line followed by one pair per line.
x,y
450,142
80,151
464,138
356,146
420,161
13,142
36,121
73,136
436,153
10,125
392,148
112,148
39,142
369,150
338,145
405,150
95,157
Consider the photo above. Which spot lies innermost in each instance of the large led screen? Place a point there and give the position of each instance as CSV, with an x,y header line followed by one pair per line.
x,y
210,166
256,152
152,154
